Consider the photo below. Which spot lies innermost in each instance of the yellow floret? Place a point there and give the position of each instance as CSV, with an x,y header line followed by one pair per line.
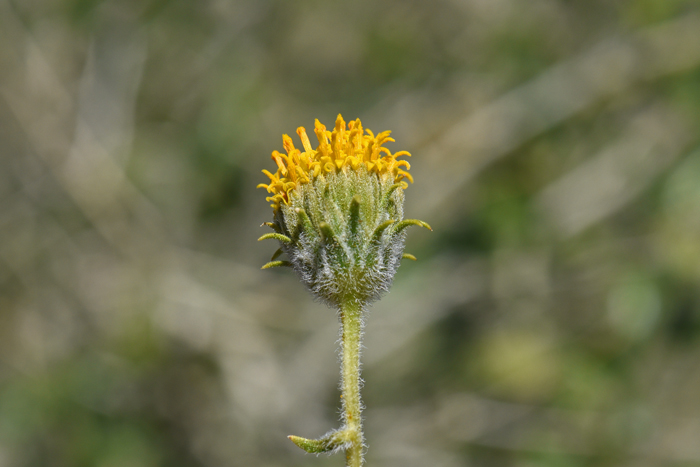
x,y
341,149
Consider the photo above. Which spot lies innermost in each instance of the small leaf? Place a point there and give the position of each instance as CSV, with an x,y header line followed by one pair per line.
x,y
409,256
333,440
277,264
312,446
276,236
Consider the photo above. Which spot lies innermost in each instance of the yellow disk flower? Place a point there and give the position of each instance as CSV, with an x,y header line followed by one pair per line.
x,y
342,149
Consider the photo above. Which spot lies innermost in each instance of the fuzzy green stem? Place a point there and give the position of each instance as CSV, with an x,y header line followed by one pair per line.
x,y
351,322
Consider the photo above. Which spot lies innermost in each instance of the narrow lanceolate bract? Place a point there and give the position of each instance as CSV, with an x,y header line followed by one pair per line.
x,y
338,217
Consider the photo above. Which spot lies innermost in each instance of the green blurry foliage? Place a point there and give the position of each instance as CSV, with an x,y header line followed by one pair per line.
x,y
547,322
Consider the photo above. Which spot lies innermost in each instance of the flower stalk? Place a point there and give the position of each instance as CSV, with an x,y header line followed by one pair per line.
x,y
351,322
350,436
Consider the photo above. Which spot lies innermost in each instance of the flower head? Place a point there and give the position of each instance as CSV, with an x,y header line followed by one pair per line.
x,y
338,212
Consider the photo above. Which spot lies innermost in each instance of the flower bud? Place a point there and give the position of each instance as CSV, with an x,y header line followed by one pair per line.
x,y
338,212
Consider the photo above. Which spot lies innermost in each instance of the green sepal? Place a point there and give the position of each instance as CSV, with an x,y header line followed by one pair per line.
x,y
408,222
276,254
326,232
304,223
377,235
272,225
389,192
276,236
277,264
358,250
409,256
354,224
333,440
376,241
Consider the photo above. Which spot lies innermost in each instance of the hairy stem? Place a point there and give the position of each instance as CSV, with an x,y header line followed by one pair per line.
x,y
351,322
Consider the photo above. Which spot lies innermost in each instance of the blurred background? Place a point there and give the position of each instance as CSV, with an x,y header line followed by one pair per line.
x,y
553,317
